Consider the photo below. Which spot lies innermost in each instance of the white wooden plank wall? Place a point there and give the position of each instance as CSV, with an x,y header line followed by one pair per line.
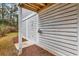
x,y
32,28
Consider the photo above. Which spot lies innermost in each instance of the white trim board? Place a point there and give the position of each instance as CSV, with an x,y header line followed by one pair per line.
x,y
28,16
24,44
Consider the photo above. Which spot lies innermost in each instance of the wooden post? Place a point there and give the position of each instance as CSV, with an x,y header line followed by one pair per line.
x,y
20,30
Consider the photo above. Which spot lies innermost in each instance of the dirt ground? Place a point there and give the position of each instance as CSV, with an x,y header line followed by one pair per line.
x,y
7,47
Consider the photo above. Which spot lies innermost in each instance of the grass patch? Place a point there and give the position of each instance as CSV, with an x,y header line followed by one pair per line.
x,y
7,47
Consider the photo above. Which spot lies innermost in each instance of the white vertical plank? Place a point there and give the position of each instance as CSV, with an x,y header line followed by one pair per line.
x,y
20,30
37,28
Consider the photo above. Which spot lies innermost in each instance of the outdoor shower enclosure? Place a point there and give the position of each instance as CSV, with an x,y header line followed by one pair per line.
x,y
59,25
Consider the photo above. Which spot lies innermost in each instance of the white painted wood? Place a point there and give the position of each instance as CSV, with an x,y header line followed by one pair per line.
x,y
61,33
51,25
68,8
62,22
61,15
56,7
55,37
58,19
29,16
26,12
59,28
56,49
32,27
64,43
24,29
20,30
64,48
64,29
46,48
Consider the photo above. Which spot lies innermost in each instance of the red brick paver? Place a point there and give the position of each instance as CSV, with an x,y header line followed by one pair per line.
x,y
35,51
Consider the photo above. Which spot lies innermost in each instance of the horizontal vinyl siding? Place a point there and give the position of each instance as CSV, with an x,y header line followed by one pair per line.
x,y
58,24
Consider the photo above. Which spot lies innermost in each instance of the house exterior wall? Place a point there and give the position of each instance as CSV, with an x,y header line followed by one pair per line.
x,y
33,28
25,15
24,29
59,26
29,25
26,12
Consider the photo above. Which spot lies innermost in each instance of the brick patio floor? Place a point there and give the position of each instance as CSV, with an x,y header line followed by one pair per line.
x,y
35,50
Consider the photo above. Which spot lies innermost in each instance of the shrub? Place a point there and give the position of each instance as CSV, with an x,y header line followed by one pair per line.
x,y
6,29
2,33
10,29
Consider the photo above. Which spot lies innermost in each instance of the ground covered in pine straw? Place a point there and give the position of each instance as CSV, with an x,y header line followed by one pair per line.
x,y
7,47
